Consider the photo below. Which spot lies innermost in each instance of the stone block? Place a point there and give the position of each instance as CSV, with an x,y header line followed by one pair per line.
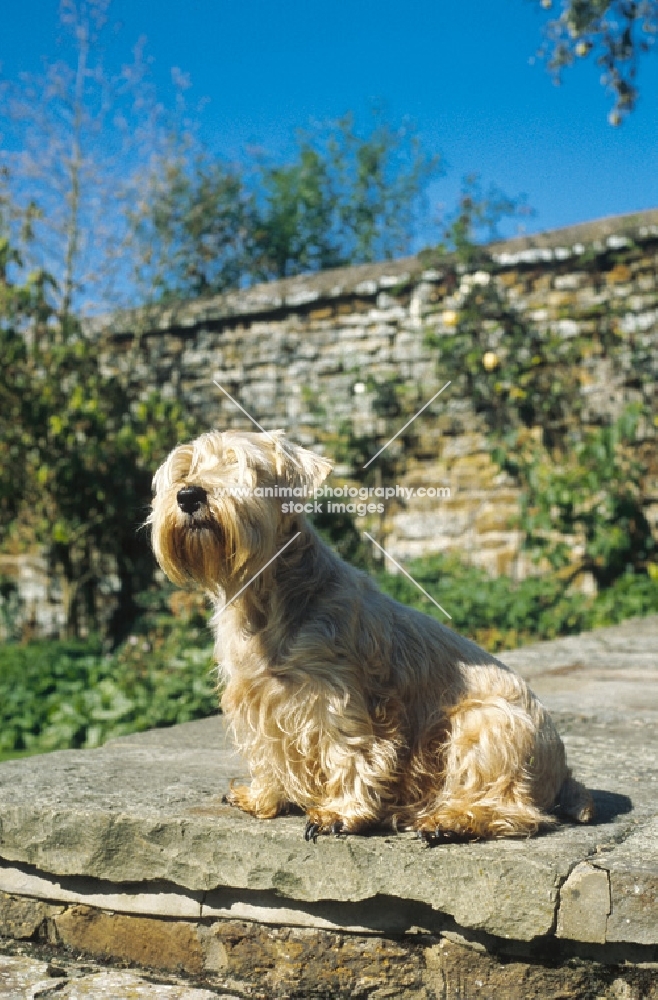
x,y
495,517
584,905
324,313
560,299
157,944
25,918
621,274
154,900
570,282
634,898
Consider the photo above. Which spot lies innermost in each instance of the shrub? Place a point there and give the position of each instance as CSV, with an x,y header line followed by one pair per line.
x,y
55,695
499,613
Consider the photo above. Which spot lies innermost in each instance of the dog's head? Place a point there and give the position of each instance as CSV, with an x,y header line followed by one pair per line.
x,y
216,516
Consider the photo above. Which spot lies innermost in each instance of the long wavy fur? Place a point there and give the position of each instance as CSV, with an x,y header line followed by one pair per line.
x,y
344,702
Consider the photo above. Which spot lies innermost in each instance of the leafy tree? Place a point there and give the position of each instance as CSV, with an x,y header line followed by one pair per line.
x,y
193,227
76,452
207,226
346,199
297,228
616,33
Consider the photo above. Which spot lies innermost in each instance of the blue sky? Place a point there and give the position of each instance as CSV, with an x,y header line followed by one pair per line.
x,y
461,71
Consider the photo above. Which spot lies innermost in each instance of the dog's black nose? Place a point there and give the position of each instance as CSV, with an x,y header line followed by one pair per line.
x,y
190,498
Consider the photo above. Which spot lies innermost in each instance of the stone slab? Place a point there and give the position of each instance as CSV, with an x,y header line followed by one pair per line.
x,y
607,674
158,900
146,811
584,905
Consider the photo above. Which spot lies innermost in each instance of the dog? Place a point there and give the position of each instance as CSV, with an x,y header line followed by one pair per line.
x,y
358,710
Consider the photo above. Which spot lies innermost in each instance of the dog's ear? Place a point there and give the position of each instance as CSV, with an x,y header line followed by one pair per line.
x,y
300,467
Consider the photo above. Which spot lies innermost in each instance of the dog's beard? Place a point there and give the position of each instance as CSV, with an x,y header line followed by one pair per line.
x,y
190,548
217,547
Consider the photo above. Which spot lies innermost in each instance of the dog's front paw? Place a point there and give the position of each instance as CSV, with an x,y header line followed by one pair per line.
x,y
258,802
433,834
319,822
239,796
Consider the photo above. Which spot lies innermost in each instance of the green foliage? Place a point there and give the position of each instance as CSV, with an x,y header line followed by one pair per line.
x,y
206,226
294,229
76,456
589,496
617,33
583,488
345,199
475,221
194,232
515,373
55,695
499,613
393,403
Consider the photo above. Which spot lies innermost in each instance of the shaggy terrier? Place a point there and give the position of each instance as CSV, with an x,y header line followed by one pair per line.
x,y
357,709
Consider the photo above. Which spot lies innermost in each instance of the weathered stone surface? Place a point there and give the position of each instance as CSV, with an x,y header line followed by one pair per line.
x,y
633,872
127,855
606,675
139,827
155,900
468,973
22,918
166,944
268,963
126,815
584,905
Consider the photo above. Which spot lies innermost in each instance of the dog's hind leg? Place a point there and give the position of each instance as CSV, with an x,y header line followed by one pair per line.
x,y
502,770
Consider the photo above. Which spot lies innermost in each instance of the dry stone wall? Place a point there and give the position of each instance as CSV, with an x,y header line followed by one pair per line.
x,y
318,354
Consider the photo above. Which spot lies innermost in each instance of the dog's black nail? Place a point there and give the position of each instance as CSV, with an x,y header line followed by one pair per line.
x,y
311,832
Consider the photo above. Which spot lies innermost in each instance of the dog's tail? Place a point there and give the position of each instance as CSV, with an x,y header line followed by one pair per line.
x,y
575,801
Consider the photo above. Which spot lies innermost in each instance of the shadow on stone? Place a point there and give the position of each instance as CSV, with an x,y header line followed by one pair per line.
x,y
609,805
